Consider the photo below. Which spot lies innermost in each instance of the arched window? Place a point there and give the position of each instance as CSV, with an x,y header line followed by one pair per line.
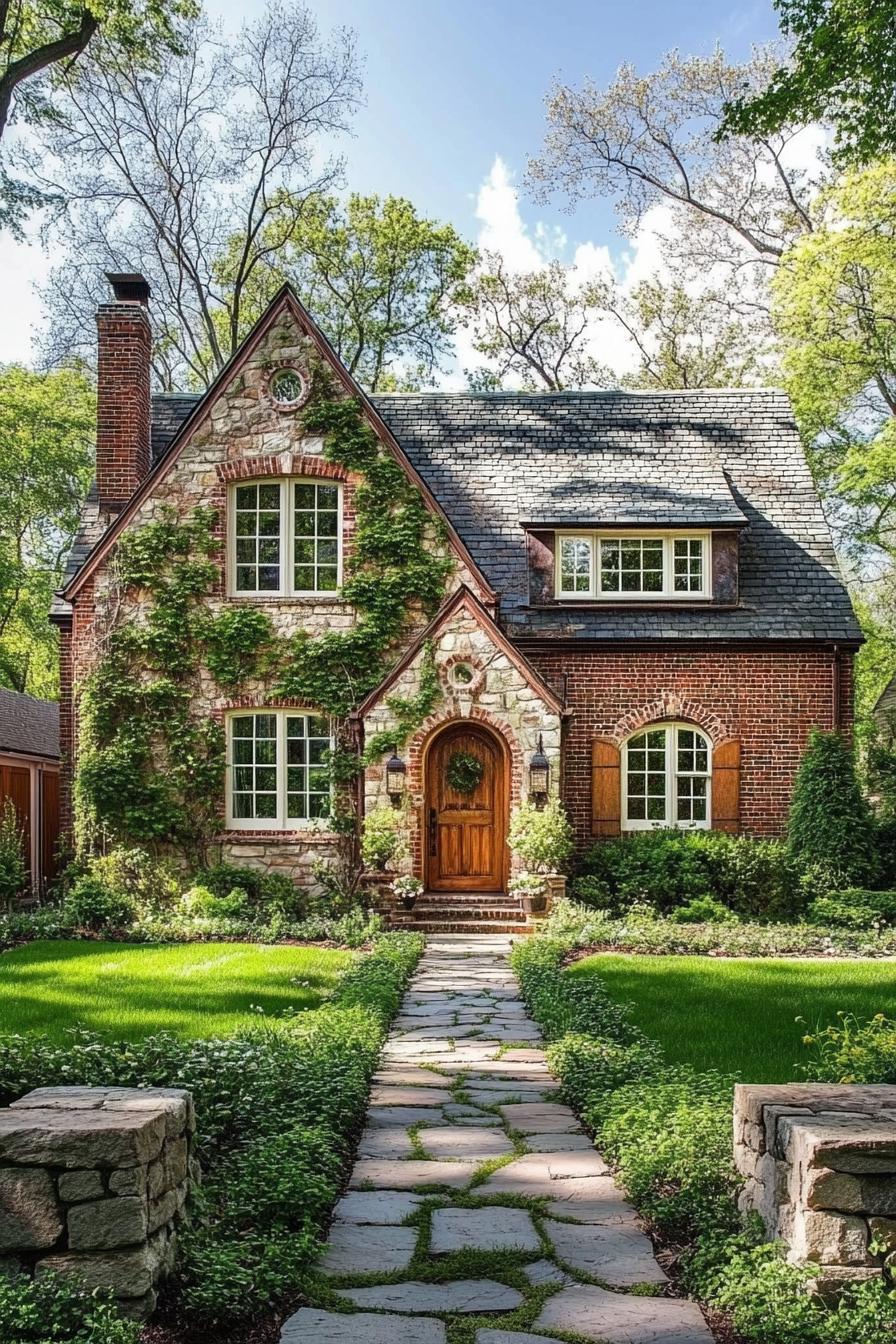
x,y
666,779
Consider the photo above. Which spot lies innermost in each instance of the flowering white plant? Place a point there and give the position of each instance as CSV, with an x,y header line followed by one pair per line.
x,y
407,886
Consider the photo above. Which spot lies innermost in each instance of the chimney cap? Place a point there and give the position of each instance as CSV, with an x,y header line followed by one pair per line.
x,y
129,286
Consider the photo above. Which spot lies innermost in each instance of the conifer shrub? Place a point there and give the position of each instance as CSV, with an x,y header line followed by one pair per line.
x,y
830,831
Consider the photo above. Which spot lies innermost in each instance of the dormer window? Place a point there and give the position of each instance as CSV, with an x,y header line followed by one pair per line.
x,y
628,566
285,538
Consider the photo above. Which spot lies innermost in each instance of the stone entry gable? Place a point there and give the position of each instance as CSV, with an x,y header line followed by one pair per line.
x,y
503,691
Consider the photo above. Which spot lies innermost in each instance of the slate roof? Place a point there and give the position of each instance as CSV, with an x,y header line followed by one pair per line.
x,y
716,458
29,727
495,461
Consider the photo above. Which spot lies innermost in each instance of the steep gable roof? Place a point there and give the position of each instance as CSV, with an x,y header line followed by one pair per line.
x,y
165,446
462,598
718,458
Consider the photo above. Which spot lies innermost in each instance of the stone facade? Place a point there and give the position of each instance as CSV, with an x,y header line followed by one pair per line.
x,y
243,435
502,693
93,1184
819,1166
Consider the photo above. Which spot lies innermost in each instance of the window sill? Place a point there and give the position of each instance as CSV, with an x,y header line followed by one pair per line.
x,y
309,837
298,599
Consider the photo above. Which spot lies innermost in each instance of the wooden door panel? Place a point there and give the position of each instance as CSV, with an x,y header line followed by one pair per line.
x,y
466,832
50,825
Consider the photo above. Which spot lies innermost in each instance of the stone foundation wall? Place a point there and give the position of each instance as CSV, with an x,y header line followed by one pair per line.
x,y
819,1162
93,1183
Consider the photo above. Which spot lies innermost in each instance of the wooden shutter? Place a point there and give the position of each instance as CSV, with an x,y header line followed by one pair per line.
x,y
606,788
726,787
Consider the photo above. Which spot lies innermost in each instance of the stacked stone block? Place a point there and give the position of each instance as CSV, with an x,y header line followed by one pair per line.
x,y
93,1183
819,1162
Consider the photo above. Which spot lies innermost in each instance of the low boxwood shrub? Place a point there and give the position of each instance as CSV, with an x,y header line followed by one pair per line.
x,y
54,1310
703,910
757,879
854,908
94,904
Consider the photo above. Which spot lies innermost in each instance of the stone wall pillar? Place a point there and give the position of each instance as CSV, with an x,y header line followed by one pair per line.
x,y
93,1183
819,1166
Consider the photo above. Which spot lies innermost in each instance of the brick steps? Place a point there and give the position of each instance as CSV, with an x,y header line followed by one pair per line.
x,y
462,912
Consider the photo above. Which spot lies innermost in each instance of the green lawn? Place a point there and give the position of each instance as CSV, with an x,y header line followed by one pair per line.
x,y
128,990
738,1015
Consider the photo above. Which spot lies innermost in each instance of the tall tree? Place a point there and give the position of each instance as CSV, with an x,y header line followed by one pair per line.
x,y
685,339
377,277
161,169
533,328
39,42
46,432
835,310
735,205
842,70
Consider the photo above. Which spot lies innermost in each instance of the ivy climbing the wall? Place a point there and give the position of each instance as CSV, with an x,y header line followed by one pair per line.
x,y
151,767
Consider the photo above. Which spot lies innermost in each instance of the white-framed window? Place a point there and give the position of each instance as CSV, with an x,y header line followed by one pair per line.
x,y
624,566
278,777
285,537
667,778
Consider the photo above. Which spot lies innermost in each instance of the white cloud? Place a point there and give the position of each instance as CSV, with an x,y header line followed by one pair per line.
x,y
22,266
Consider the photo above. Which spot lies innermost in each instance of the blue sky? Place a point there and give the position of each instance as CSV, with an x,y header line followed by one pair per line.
x,y
451,87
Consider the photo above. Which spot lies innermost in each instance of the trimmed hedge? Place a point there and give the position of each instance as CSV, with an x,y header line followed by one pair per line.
x,y
668,1133
277,1108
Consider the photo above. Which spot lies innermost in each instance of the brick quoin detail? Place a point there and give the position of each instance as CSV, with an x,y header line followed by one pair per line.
x,y
768,699
123,405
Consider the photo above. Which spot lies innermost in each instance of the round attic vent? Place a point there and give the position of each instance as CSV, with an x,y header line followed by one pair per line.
x,y
289,389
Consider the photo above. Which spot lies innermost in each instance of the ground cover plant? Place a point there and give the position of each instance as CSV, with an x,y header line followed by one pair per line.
x,y
666,1129
209,989
740,1016
278,1107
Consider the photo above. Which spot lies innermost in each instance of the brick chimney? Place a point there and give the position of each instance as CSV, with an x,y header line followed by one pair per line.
x,y
122,434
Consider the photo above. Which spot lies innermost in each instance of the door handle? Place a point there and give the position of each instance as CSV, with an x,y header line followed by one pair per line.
x,y
432,832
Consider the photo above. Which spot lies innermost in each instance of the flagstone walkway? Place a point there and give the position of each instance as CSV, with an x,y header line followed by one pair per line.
x,y
475,1196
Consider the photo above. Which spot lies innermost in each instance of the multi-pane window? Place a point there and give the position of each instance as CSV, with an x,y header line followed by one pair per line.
x,y
315,537
576,561
278,775
666,778
286,537
631,565
656,565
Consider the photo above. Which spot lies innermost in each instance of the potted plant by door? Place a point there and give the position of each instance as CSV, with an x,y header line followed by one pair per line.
x,y
406,890
541,839
383,844
529,889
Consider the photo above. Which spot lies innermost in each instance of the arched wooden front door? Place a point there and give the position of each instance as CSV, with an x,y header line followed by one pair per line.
x,y
466,833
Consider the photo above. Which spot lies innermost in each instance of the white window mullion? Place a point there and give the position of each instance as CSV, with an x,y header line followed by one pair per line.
x,y
286,538
281,771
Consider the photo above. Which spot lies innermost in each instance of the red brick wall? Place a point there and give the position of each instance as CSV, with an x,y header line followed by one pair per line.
x,y
769,699
123,414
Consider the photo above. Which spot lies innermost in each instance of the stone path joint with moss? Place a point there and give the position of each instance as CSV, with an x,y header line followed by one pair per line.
x,y
477,1211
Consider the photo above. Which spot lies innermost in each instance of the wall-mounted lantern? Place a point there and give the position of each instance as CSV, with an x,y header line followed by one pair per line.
x,y
396,778
539,774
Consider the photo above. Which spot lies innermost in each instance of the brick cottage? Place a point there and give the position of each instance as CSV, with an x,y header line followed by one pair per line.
x,y
642,589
